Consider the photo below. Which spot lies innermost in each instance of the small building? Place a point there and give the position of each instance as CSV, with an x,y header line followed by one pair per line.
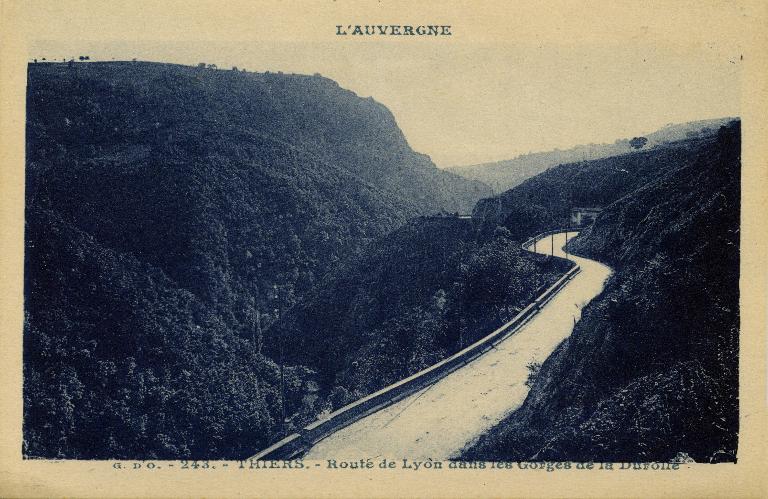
x,y
584,216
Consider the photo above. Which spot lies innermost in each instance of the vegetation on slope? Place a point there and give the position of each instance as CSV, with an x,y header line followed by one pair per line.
x,y
544,202
651,370
506,174
172,212
183,224
419,295
119,362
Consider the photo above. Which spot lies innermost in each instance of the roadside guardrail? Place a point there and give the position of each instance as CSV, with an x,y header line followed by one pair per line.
x,y
298,443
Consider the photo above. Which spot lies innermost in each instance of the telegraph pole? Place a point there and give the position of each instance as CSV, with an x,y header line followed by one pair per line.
x,y
278,312
259,333
567,226
568,220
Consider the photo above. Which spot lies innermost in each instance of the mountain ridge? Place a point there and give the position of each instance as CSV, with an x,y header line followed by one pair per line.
x,y
505,174
650,372
173,214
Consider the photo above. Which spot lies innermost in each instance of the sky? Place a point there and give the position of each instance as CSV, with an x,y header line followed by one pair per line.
x,y
490,92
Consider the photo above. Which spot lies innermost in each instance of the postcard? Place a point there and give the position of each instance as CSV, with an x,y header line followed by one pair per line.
x,y
383,249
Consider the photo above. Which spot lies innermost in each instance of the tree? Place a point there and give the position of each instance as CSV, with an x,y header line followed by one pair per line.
x,y
533,371
638,142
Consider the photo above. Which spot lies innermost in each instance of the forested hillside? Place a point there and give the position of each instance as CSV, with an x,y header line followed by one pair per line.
x,y
171,213
506,174
650,372
544,201
417,296
188,229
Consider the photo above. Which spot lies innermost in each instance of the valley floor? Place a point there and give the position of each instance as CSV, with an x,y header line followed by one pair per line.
x,y
440,420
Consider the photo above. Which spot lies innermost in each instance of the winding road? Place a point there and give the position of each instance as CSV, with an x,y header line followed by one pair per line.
x,y
440,420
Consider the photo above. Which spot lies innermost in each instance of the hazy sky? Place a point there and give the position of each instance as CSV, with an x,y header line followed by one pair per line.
x,y
482,95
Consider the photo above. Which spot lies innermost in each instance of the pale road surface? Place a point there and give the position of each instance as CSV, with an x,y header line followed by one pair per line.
x,y
443,418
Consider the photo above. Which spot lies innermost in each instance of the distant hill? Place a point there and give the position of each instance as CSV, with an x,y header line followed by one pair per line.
x,y
543,202
172,210
503,175
650,373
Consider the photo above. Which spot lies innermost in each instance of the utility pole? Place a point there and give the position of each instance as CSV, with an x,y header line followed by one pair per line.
x,y
259,333
278,312
552,237
568,220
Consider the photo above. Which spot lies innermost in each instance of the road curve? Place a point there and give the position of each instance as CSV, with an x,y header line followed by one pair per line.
x,y
443,418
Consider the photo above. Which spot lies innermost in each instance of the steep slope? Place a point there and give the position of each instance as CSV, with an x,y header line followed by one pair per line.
x,y
120,363
440,420
544,201
228,161
651,371
506,174
237,193
418,295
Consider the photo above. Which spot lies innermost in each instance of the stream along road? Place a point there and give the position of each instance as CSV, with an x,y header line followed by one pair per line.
x,y
440,420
